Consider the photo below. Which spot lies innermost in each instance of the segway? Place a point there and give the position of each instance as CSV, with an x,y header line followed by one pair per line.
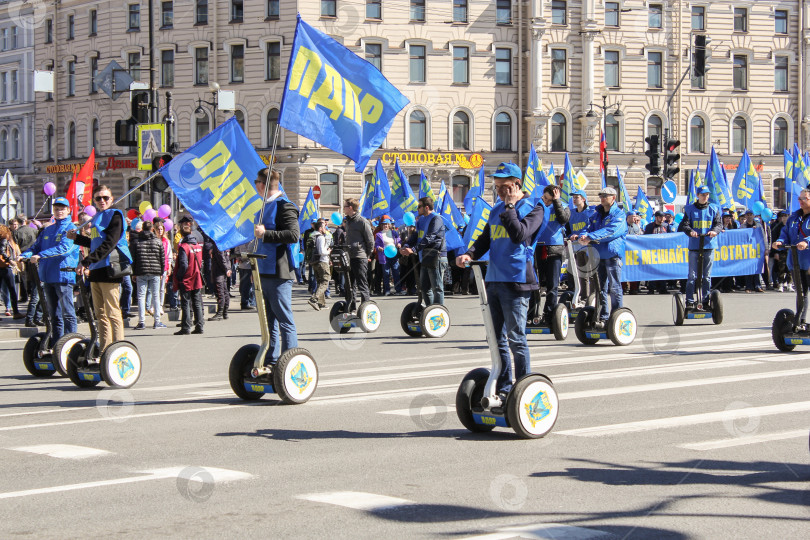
x,y
788,330
572,300
705,308
119,365
294,377
531,407
620,328
37,353
344,315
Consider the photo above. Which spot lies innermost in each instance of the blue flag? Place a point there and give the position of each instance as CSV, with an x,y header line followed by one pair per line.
x,y
643,206
336,98
450,210
478,222
214,181
691,194
442,191
801,169
367,200
452,238
567,183
382,192
476,190
625,197
788,165
402,199
551,177
719,193
308,212
746,183
530,175
424,187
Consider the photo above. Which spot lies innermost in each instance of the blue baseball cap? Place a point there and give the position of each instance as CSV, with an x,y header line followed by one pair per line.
x,y
508,170
669,213
580,192
61,201
703,189
388,220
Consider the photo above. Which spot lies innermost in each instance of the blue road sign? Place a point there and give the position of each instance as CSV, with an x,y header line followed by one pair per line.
x,y
669,191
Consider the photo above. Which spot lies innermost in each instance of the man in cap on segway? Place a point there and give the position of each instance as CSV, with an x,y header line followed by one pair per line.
x,y
701,217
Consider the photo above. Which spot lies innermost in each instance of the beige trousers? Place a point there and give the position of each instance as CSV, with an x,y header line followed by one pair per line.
x,y
106,300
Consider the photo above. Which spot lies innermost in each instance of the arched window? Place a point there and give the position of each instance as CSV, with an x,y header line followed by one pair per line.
x,y
780,136
654,127
272,122
240,118
697,135
49,139
3,145
558,133
330,192
15,144
739,132
94,134
418,129
503,132
461,131
202,126
71,140
612,133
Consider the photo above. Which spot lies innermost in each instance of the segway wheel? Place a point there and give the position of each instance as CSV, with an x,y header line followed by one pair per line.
x,y
469,394
585,321
678,309
241,365
121,364
435,321
622,327
410,318
338,308
559,322
369,317
717,307
61,350
295,376
75,359
533,406
782,325
30,356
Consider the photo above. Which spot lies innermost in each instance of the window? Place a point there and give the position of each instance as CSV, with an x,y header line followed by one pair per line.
x,y
654,125
460,185
461,131
739,135
271,122
374,55
503,66
3,87
461,65
655,18
418,10
3,145
14,36
740,72
273,9
201,126
14,89
780,17
612,69
417,63
697,82
612,133
237,11
654,64
330,194
697,135
49,95
134,62
240,118
71,27
558,65
93,22
273,60
328,8
201,12
459,11
134,20
780,136
15,144
71,140
417,125
373,9
201,65
49,139
94,134
503,132
503,12
740,19
780,74
558,12
71,79
4,39
93,73
49,31
611,14
237,63
167,68
698,18
558,133
166,14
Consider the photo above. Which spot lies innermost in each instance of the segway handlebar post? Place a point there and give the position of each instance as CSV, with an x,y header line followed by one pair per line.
x,y
490,398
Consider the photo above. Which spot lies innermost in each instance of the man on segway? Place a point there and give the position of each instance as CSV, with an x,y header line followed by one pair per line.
x,y
795,233
509,237
428,242
549,252
700,218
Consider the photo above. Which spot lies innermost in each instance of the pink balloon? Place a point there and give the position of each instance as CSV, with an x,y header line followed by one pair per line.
x,y
90,211
49,189
32,225
168,225
149,215
164,211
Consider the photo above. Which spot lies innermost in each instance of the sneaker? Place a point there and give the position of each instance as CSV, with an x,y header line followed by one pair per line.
x,y
18,315
39,322
139,326
182,333
314,304
781,287
159,325
690,305
216,317
8,313
759,289
791,288
197,331
30,324
224,315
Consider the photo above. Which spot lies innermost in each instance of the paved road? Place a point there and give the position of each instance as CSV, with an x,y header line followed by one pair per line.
x,y
695,432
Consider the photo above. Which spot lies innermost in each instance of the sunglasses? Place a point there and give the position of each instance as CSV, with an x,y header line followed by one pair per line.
x,y
104,198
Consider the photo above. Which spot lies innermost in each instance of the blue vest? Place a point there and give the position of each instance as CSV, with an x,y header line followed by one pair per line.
x,y
701,220
552,234
422,226
98,232
507,260
579,220
268,264
797,229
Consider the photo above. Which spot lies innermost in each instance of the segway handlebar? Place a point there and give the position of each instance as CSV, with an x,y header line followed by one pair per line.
x,y
255,256
68,269
477,263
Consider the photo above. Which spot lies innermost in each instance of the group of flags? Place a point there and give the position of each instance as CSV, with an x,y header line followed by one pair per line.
x,y
745,189
797,175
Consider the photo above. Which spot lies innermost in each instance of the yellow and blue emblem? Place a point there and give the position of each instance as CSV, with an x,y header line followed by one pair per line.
x,y
371,317
538,408
626,328
437,322
300,377
125,366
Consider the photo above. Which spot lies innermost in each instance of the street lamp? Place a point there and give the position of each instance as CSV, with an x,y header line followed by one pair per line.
x,y
200,111
605,92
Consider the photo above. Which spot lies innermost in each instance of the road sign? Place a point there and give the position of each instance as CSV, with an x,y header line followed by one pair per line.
x,y
151,141
316,192
669,191
8,212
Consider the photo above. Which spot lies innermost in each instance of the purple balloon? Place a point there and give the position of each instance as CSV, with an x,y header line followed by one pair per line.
x,y
168,225
149,215
90,211
164,211
32,225
49,188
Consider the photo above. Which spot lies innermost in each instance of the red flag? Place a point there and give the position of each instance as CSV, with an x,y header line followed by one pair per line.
x,y
73,199
602,151
84,180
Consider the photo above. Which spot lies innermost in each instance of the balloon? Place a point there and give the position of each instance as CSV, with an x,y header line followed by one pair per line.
x,y
149,215
758,207
767,214
337,219
32,225
390,251
144,206
49,189
409,219
300,257
90,210
164,211
132,213
679,216
167,224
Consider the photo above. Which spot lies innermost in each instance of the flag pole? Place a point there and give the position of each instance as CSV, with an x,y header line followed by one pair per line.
x,y
41,208
255,242
122,197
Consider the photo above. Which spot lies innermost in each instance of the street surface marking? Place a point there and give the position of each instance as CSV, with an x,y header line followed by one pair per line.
x,y
62,451
357,500
543,531
742,441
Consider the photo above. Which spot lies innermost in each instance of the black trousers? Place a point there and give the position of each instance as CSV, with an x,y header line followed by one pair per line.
x,y
221,290
191,300
359,278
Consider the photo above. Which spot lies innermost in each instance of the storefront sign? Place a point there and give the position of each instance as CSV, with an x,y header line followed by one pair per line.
x,y
464,161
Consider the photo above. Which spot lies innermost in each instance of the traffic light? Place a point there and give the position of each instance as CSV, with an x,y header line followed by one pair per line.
x,y
652,153
671,159
126,131
702,54
140,105
159,184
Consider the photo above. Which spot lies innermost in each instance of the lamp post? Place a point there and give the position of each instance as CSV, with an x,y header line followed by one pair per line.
x,y
199,111
605,92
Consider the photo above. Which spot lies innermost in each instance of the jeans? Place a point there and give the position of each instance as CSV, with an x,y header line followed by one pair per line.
x,y
247,295
126,296
60,309
390,269
7,279
34,305
191,300
152,285
550,268
610,283
358,278
508,309
161,292
708,260
277,295
431,279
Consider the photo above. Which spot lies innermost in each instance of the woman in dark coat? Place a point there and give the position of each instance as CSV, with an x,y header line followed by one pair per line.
x,y
150,256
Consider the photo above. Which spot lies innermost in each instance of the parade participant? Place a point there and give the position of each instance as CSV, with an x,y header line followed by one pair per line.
x,y
795,233
577,224
187,278
657,226
549,251
360,241
388,236
319,261
778,257
701,217
633,229
149,258
511,230
752,281
220,272
428,242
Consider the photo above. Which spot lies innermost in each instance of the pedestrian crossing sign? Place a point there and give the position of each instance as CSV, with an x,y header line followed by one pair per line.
x,y
151,141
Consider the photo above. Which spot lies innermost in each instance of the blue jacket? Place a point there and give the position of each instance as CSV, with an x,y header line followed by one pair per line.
x,y
56,251
608,229
797,229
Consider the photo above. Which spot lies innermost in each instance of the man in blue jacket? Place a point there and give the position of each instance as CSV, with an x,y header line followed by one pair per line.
x,y
428,241
701,217
52,251
608,227
795,233
549,251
